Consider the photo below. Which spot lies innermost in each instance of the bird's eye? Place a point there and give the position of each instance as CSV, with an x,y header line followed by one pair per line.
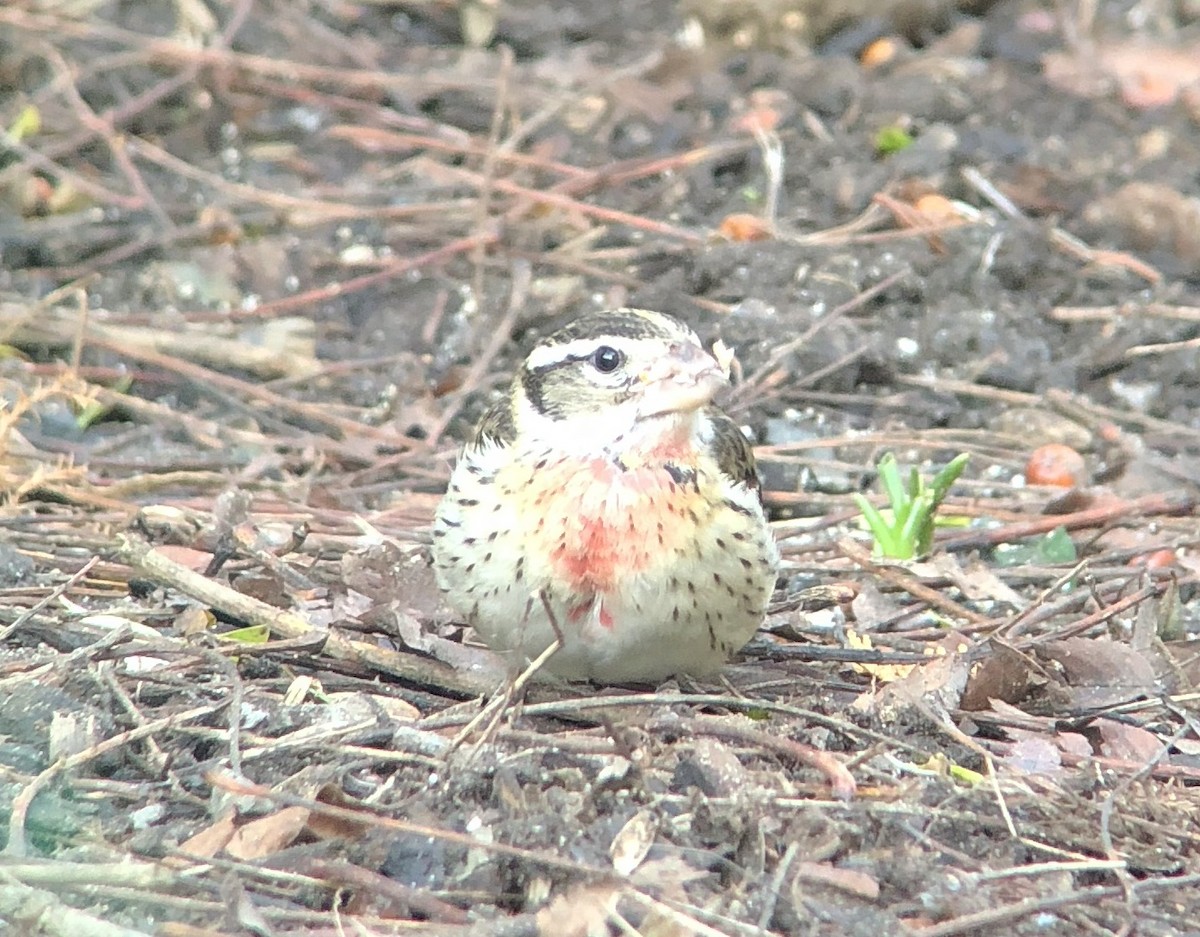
x,y
607,359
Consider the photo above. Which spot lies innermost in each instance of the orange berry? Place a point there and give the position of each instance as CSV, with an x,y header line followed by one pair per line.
x,y
742,226
1055,464
879,52
1159,559
937,207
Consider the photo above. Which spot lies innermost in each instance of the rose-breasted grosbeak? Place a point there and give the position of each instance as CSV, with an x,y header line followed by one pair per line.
x,y
606,501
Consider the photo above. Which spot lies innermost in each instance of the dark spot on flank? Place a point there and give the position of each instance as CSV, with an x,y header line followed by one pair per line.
x,y
468,502
495,533
679,474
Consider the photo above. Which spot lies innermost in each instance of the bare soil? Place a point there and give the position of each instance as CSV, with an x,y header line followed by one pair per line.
x,y
262,264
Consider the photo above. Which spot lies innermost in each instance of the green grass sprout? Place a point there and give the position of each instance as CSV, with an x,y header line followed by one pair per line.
x,y
905,529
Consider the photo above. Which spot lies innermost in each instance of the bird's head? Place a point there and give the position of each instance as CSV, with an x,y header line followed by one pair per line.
x,y
626,380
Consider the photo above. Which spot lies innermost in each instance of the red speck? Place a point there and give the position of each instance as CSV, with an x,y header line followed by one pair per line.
x,y
606,619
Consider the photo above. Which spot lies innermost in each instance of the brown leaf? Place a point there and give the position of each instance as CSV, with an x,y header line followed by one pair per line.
x,y
325,826
212,839
1005,674
851,881
1128,743
580,912
1099,673
267,835
1033,756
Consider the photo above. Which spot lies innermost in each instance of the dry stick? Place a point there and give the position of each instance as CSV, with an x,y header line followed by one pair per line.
x,y
115,144
20,806
276,403
745,393
19,902
325,210
1129,311
979,921
841,781
391,272
1098,617
483,205
345,874
608,215
910,584
49,597
479,367
1067,242
130,108
1136,508
166,51
422,671
1057,399
776,886
361,816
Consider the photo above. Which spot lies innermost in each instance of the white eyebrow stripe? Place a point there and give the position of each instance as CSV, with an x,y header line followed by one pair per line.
x,y
546,355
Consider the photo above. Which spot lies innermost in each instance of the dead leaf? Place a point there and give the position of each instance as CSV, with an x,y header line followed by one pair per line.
x,y
976,581
267,835
1147,74
1099,673
633,841
851,881
1033,756
210,840
326,826
580,912
939,683
1147,216
1127,742
1005,674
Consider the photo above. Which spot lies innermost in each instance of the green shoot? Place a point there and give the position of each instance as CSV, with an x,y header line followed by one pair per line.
x,y
905,529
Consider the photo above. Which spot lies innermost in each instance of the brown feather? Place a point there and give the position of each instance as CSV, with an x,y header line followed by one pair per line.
x,y
734,456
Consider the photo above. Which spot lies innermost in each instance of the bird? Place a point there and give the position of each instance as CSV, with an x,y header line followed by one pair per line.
x,y
607,502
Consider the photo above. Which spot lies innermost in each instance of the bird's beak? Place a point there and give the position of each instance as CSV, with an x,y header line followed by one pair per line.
x,y
685,379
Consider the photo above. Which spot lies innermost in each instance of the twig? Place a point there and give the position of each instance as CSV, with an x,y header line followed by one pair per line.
x,y
421,671
910,584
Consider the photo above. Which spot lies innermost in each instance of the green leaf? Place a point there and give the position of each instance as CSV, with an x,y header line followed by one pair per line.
x,y
26,124
892,139
1057,547
1052,549
251,634
889,477
948,476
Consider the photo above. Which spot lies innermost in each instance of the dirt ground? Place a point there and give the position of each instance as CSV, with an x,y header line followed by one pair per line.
x,y
262,263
